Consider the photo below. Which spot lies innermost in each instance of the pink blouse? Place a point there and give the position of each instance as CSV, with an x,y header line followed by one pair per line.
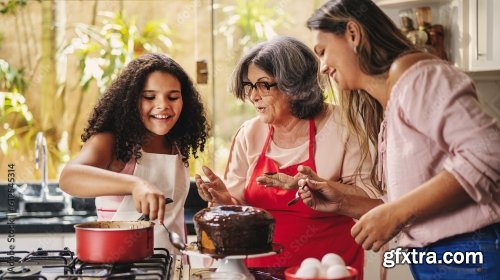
x,y
434,122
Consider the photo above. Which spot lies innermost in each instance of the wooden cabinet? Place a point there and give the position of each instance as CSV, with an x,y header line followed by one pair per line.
x,y
409,3
471,40
484,47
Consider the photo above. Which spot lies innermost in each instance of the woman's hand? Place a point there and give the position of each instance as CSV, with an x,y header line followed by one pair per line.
x,y
285,181
280,180
441,194
149,200
321,196
378,226
215,190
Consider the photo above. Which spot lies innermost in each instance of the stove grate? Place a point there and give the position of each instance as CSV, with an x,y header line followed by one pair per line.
x,y
62,264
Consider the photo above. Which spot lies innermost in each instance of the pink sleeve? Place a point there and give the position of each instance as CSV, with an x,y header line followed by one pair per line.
x,y
441,102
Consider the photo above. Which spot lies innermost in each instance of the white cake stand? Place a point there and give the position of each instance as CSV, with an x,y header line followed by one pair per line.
x,y
233,263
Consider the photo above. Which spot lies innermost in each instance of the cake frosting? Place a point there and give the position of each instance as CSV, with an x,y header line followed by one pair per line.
x,y
234,230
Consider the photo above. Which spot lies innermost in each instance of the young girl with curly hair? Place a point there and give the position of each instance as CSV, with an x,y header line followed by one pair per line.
x,y
137,144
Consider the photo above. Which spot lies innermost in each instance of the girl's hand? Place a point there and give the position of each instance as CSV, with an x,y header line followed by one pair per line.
x,y
285,181
378,226
215,190
320,196
149,200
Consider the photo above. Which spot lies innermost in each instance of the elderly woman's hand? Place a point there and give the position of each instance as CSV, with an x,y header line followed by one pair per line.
x,y
287,182
280,180
215,190
320,196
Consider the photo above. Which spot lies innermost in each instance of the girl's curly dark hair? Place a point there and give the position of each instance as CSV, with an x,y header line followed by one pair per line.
x,y
117,111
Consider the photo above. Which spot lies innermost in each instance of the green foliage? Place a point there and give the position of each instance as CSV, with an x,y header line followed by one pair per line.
x,y
10,6
103,50
15,115
17,124
11,79
16,119
250,21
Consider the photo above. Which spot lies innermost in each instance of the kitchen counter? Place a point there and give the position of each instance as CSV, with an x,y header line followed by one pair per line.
x,y
43,223
49,223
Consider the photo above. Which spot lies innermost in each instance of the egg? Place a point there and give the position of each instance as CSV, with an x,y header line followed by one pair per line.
x,y
311,262
307,272
322,271
332,259
337,271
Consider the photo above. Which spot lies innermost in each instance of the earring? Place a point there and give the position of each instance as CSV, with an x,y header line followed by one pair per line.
x,y
355,50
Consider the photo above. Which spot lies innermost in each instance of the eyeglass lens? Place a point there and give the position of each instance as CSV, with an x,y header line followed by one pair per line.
x,y
261,87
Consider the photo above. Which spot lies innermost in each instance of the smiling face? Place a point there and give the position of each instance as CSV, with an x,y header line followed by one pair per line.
x,y
272,108
337,58
160,104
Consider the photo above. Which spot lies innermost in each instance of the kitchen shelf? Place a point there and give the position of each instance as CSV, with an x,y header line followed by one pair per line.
x,y
484,75
404,4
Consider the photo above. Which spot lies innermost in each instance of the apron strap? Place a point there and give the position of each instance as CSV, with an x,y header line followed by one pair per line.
x,y
268,139
129,166
231,153
312,135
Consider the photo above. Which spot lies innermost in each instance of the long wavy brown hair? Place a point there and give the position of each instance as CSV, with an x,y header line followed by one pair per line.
x,y
117,111
381,43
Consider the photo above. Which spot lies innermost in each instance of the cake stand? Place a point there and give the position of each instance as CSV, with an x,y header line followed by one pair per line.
x,y
233,263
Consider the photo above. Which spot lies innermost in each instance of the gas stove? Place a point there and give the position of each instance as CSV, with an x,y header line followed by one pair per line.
x,y
63,264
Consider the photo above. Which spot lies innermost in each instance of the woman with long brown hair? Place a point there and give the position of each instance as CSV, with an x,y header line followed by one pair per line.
x,y
438,151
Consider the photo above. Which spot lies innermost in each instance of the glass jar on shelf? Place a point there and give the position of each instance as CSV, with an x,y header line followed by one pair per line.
x,y
424,17
436,38
406,21
420,38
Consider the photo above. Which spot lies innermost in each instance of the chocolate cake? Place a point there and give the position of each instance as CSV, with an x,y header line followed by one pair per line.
x,y
234,230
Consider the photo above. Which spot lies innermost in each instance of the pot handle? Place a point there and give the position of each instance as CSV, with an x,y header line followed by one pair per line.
x,y
145,217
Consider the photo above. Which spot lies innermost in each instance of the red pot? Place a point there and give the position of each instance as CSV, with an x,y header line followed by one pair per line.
x,y
114,241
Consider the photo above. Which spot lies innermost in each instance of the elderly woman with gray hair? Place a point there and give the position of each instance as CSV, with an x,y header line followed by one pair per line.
x,y
294,134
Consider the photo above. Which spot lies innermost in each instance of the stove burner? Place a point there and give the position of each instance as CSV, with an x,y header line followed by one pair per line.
x,y
9,259
62,264
18,271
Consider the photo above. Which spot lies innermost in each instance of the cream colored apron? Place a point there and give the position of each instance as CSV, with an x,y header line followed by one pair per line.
x,y
168,173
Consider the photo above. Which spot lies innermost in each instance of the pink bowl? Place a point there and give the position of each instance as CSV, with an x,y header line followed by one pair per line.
x,y
290,274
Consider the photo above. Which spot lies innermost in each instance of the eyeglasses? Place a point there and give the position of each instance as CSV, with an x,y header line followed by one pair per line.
x,y
262,88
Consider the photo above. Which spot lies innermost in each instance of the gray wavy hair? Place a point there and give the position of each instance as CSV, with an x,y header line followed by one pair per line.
x,y
293,66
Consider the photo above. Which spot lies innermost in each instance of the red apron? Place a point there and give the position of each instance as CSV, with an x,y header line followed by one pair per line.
x,y
303,232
